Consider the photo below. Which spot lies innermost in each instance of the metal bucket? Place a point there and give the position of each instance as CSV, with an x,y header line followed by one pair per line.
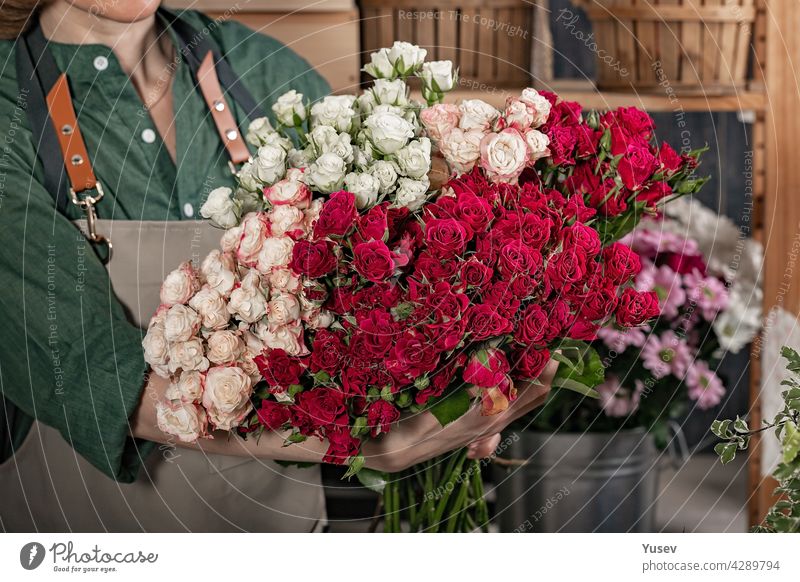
x,y
589,482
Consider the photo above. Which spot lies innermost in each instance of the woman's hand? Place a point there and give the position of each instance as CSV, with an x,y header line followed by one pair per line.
x,y
420,437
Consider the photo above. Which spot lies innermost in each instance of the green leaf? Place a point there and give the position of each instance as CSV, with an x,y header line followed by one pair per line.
x,y
791,442
726,452
720,428
740,426
575,386
793,357
372,479
589,372
355,465
451,406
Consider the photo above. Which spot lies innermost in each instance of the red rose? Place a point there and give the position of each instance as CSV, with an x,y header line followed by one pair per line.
x,y
608,203
473,211
517,258
670,161
684,264
631,120
563,140
484,321
433,269
320,406
273,415
532,326
341,445
566,268
445,237
377,332
636,307
636,166
581,236
278,368
620,263
486,368
559,317
654,193
598,302
337,216
444,303
583,329
373,260
475,274
412,356
446,334
534,230
380,416
503,298
313,259
530,363
374,224
327,352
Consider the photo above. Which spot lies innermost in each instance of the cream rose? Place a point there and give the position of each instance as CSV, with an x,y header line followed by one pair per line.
x,y
336,111
248,302
211,306
226,396
181,323
224,346
187,387
275,253
439,119
283,279
179,285
538,105
386,173
255,230
187,356
461,149
291,191
438,76
258,131
287,219
186,421
156,349
411,193
405,57
230,239
518,115
538,143
504,155
287,337
476,114
380,66
216,269
283,309
312,213
390,92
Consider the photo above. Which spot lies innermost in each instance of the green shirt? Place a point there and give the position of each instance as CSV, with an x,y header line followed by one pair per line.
x,y
68,356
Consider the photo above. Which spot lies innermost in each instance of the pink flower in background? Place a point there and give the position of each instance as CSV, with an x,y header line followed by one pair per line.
x,y
617,400
667,354
618,340
708,294
667,284
704,385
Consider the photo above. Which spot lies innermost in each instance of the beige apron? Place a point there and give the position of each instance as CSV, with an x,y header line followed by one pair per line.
x,y
47,486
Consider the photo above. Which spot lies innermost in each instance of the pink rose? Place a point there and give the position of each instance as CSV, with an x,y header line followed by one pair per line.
x,y
289,191
255,230
439,119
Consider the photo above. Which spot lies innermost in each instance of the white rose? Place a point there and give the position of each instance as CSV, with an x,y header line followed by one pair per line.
x,y
411,194
364,187
211,306
187,356
415,159
387,131
220,208
186,421
286,219
247,178
283,309
188,387
476,114
438,76
386,174
259,131
275,254
180,285
537,144
227,396
327,173
538,105
336,111
287,337
224,346
391,92
283,279
156,348
270,164
461,149
249,301
255,230
504,155
217,272
326,140
181,323
366,103
299,158
405,57
379,66
289,109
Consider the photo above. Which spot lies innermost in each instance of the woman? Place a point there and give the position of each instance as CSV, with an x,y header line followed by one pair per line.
x,y
116,110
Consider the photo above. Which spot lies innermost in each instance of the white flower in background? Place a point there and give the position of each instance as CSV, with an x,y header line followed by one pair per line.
x,y
249,301
211,306
387,131
438,76
364,187
476,114
737,325
224,346
220,208
226,397
326,140
380,67
538,106
504,155
180,285
390,92
406,58
259,131
270,164
289,109
247,177
410,193
336,111
461,149
187,356
181,323
414,160
538,143
386,174
275,253
217,269
183,420
188,387
327,173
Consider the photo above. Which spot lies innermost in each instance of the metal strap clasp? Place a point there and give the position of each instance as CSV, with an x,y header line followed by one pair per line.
x,y
87,203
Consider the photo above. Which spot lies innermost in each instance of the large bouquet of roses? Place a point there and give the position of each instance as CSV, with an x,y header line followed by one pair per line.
x,y
347,292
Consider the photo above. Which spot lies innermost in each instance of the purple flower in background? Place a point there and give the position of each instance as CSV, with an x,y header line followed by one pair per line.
x,y
619,339
617,400
704,385
667,354
667,284
708,294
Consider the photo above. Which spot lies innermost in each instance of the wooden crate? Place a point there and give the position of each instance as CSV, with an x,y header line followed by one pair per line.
x,y
691,44
488,40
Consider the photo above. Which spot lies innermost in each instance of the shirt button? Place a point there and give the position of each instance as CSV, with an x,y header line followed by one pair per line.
x,y
188,210
100,63
148,135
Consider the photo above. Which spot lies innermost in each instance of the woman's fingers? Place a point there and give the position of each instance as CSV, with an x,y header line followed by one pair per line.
x,y
483,447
